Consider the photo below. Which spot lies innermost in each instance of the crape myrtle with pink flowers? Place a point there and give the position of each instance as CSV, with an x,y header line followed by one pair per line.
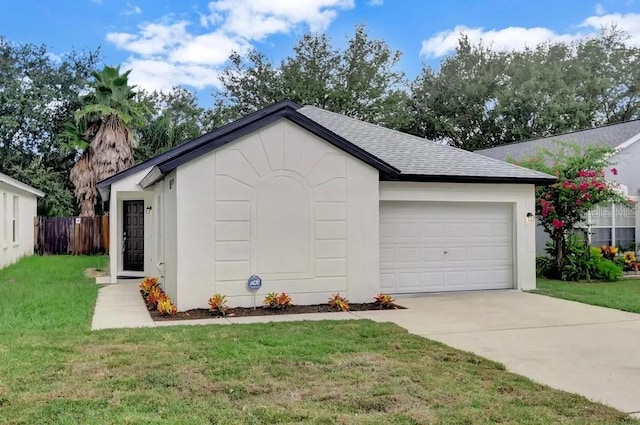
x,y
582,185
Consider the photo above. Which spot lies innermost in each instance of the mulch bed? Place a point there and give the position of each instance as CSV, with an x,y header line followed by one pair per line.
x,y
202,313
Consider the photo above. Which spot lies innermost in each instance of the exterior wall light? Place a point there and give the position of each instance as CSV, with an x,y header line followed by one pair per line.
x,y
530,217
149,208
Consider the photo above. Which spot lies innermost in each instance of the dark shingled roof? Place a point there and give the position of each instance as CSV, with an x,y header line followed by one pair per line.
x,y
398,156
612,135
414,155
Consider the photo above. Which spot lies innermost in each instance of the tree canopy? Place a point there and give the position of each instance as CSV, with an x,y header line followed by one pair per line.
x,y
38,95
361,81
481,97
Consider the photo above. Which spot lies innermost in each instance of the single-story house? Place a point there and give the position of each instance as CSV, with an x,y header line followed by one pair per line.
x,y
611,224
18,208
316,203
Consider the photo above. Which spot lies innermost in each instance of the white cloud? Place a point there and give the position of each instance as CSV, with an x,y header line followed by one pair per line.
x,y
131,9
517,38
376,2
599,9
152,38
169,52
257,19
629,23
97,2
160,74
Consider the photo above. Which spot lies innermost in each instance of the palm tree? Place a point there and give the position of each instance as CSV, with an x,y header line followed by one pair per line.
x,y
105,128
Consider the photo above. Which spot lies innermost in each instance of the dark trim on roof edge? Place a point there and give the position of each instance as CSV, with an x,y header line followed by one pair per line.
x,y
199,141
293,116
538,181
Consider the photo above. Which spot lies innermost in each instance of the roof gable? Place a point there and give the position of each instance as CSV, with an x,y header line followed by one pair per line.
x,y
19,185
396,155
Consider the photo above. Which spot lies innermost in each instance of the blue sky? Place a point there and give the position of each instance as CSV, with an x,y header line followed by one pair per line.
x,y
186,43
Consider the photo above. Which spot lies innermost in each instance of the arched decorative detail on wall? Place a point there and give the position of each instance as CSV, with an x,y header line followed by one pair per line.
x,y
283,235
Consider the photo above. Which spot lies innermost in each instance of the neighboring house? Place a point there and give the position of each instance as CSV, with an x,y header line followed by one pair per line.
x,y
610,224
316,203
18,208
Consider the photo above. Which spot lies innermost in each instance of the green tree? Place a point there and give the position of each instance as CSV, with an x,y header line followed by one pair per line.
x,y
361,80
38,94
176,117
480,97
581,186
105,129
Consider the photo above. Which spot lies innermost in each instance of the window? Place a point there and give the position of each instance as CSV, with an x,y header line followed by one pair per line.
x,y
613,224
5,219
14,221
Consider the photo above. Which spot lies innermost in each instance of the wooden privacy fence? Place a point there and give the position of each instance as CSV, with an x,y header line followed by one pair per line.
x,y
72,235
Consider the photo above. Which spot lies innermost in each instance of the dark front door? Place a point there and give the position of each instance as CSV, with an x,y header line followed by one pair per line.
x,y
133,236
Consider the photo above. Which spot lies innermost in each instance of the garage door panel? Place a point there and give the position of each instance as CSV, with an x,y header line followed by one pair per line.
x,y
499,277
433,230
490,253
414,236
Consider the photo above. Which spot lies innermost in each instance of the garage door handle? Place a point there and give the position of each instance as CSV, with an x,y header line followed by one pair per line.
x,y
446,252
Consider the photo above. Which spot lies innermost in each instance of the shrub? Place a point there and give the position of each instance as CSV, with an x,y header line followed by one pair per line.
x,y
385,301
166,307
608,271
155,295
147,284
609,252
278,301
336,302
218,304
582,262
630,261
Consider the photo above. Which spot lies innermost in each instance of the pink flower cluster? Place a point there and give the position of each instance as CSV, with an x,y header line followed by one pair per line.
x,y
586,173
557,224
546,208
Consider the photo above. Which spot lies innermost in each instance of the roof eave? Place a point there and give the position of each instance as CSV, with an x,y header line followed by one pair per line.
x,y
20,186
151,178
538,181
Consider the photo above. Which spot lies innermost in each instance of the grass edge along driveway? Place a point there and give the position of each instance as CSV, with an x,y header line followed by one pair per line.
x,y
54,370
621,295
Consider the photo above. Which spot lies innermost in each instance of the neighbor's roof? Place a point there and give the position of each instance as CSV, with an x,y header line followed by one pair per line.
x,y
398,156
19,185
615,136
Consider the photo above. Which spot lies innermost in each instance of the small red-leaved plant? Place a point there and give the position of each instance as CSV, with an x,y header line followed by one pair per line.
x,y
155,295
147,284
218,304
279,301
166,307
336,302
385,301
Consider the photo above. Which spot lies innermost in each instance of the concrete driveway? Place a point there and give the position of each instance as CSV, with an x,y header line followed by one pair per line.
x,y
575,347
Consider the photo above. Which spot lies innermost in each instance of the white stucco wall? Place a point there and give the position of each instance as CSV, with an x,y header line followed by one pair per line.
x,y
521,196
283,204
10,250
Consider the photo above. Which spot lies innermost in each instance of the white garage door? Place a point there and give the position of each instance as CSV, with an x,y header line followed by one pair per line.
x,y
441,246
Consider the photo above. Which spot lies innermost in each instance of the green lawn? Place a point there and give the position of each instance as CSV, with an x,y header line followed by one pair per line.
x,y
54,370
622,295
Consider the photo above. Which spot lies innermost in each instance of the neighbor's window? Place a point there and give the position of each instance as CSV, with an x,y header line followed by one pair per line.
x,y
5,219
613,224
14,221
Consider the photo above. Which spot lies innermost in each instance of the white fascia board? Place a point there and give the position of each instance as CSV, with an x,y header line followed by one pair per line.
x,y
151,178
19,185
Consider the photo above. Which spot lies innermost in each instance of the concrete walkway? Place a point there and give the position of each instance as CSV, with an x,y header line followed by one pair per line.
x,y
571,346
120,306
